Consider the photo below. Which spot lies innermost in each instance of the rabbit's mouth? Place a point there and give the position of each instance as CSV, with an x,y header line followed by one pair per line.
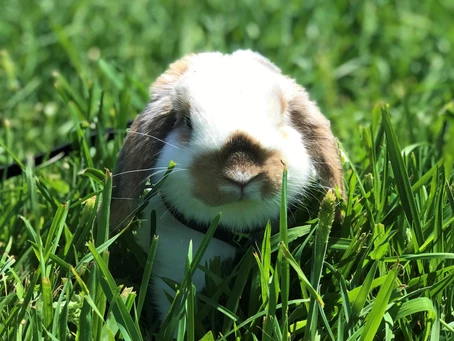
x,y
222,232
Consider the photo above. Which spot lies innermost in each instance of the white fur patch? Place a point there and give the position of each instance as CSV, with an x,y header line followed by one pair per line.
x,y
172,252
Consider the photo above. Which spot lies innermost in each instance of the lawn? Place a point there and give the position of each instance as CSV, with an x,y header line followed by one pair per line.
x,y
381,71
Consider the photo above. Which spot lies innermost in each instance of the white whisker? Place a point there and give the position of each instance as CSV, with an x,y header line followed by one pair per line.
x,y
157,139
121,198
138,170
162,171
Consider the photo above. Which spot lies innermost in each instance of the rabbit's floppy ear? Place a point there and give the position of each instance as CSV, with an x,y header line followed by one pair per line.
x,y
143,144
317,137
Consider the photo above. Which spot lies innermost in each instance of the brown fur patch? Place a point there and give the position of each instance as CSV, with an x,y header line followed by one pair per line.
x,y
175,71
240,153
139,153
273,181
318,139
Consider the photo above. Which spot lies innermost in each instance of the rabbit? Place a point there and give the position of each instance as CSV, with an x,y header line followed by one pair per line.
x,y
230,122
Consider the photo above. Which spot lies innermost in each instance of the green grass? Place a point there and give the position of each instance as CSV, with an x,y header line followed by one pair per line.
x,y
68,69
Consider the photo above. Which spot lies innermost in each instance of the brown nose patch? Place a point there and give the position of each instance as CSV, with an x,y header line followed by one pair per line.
x,y
240,153
242,149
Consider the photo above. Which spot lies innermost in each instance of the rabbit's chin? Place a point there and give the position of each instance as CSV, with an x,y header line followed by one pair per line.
x,y
239,215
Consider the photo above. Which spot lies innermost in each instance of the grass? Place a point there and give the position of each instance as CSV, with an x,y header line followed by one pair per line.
x,y
382,72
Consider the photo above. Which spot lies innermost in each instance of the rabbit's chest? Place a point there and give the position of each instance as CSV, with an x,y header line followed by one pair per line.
x,y
173,245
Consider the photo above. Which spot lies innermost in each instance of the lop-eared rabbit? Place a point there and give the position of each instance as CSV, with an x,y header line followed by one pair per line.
x,y
230,122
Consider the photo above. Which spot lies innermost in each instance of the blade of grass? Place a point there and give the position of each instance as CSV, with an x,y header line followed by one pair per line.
x,y
326,218
402,183
119,309
364,291
283,265
147,274
374,318
294,264
86,331
414,306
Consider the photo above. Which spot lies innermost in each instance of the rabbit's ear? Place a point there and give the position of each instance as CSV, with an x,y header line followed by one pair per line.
x,y
143,144
318,138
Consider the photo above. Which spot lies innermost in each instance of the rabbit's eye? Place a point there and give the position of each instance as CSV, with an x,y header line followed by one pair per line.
x,y
188,122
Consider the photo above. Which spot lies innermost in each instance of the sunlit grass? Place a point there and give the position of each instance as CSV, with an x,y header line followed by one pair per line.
x,y
70,70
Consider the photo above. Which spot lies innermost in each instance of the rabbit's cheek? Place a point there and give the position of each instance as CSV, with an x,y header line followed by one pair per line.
x,y
272,179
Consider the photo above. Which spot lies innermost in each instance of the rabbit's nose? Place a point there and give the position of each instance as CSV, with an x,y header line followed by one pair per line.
x,y
240,179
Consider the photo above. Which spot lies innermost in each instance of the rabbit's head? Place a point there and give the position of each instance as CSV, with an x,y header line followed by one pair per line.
x,y
230,123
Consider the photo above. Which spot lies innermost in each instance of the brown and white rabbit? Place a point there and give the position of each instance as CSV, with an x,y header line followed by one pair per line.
x,y
229,122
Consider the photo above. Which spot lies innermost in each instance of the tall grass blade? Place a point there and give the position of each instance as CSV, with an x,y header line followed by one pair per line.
x,y
111,291
283,265
377,313
401,179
